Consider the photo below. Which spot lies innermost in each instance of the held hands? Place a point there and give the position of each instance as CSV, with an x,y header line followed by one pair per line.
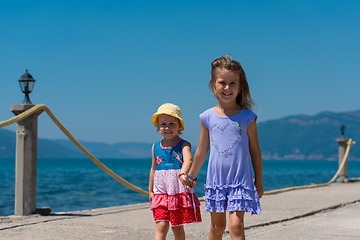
x,y
187,181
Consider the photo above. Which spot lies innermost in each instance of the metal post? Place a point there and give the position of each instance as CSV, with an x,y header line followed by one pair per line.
x,y
26,161
343,176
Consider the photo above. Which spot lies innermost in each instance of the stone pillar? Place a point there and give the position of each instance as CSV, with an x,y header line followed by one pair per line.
x,y
26,161
343,176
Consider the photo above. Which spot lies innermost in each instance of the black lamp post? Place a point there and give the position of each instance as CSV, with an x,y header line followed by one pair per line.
x,y
342,129
27,84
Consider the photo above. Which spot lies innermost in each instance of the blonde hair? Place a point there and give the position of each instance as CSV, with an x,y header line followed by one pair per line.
x,y
226,62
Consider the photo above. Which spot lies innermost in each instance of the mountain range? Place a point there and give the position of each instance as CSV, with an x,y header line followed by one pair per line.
x,y
293,137
309,137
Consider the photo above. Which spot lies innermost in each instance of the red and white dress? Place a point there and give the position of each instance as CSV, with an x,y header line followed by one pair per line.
x,y
172,202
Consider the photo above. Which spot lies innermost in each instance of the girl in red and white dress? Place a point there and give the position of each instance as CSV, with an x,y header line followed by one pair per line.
x,y
170,201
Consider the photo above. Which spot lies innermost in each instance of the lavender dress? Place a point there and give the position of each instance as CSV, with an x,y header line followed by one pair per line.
x,y
229,183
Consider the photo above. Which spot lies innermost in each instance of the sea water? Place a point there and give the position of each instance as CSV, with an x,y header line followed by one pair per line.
x,y
79,184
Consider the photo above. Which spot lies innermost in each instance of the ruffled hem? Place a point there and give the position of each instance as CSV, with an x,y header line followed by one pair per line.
x,y
178,217
226,186
222,206
219,199
174,202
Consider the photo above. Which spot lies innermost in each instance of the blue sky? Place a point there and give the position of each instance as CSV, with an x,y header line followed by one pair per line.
x,y
104,67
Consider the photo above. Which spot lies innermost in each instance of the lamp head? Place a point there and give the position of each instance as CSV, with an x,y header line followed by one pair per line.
x,y
342,129
26,85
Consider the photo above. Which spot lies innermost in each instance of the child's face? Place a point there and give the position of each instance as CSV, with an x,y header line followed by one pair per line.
x,y
227,85
168,126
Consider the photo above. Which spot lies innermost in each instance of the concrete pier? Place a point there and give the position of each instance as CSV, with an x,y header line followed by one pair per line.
x,y
330,212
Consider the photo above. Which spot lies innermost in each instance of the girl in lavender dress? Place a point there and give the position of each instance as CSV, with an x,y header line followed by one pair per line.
x,y
229,129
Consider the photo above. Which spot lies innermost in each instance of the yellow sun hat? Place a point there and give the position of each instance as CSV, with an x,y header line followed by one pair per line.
x,y
171,110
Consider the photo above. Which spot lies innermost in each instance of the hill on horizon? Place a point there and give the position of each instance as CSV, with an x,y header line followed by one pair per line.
x,y
309,137
293,137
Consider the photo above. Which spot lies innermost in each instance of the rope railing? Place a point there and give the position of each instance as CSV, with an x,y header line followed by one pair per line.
x,y
42,107
349,143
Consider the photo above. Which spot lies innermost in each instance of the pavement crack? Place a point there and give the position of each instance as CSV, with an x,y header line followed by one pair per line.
x,y
331,208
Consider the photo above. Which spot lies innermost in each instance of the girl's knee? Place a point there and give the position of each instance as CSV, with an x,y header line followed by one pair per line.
x,y
179,232
236,223
162,227
236,227
218,227
218,223
178,229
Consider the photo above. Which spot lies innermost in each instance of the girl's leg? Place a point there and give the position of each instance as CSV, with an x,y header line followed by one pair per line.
x,y
179,232
218,225
236,225
161,230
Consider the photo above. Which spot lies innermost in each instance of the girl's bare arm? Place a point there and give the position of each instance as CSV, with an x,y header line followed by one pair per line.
x,y
256,157
201,152
151,177
187,159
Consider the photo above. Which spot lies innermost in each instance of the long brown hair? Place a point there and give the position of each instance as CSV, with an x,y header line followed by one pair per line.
x,y
226,62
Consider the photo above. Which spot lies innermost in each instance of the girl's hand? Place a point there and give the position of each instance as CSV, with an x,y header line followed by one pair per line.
x,y
185,182
188,185
151,195
193,184
259,189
